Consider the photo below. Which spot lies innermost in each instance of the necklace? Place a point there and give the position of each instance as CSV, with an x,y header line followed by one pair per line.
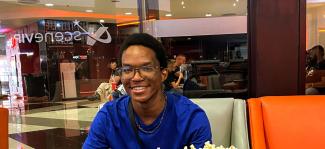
x,y
160,121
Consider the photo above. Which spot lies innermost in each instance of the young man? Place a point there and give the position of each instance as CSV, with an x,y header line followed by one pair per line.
x,y
147,118
172,82
179,61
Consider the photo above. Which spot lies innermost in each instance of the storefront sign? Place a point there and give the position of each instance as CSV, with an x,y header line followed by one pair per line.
x,y
92,38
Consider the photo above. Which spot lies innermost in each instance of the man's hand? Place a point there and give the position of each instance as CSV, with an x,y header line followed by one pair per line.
x,y
310,73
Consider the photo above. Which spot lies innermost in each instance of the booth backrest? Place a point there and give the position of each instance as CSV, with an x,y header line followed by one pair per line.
x,y
228,121
287,122
4,128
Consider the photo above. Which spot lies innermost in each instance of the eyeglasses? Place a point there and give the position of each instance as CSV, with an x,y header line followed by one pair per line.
x,y
128,72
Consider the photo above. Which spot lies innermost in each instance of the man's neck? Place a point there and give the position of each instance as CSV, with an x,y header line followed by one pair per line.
x,y
150,110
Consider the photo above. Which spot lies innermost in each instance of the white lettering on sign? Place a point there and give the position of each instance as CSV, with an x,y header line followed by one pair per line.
x,y
92,38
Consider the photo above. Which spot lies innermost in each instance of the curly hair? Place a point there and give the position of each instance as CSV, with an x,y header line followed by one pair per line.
x,y
148,41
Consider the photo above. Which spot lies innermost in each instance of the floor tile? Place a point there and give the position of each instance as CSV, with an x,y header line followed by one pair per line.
x,y
57,138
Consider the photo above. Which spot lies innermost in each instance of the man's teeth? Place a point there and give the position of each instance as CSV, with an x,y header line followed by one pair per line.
x,y
138,88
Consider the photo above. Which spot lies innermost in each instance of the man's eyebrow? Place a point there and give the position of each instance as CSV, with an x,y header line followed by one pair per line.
x,y
144,64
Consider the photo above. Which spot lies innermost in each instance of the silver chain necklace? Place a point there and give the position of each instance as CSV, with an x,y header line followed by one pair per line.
x,y
158,125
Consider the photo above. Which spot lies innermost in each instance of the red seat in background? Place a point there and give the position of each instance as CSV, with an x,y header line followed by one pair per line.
x,y
4,142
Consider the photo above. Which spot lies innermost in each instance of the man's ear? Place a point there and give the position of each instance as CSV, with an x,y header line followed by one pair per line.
x,y
164,74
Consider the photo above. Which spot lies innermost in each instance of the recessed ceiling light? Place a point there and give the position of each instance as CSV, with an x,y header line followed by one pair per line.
x,y
234,4
168,15
184,7
102,21
49,5
237,0
89,10
128,13
42,22
208,15
182,2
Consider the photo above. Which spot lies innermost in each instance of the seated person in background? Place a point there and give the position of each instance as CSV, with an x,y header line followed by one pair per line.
x,y
171,83
105,90
118,89
315,70
148,118
114,77
179,60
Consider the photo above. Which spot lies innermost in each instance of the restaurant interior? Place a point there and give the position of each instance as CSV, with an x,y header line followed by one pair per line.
x,y
248,66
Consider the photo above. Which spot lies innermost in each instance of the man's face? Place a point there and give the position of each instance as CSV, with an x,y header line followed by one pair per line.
x,y
142,86
180,60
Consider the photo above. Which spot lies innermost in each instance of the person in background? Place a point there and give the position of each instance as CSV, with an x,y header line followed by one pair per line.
x,y
315,70
179,60
147,118
106,90
114,77
172,82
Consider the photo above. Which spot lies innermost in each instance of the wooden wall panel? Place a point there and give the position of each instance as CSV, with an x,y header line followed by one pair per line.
x,y
276,32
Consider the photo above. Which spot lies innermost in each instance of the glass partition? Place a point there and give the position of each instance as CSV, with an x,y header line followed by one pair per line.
x,y
61,50
212,35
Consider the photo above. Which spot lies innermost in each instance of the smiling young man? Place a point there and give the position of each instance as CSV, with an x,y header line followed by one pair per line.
x,y
147,118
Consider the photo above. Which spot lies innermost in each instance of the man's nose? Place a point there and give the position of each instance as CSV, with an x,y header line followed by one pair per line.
x,y
137,76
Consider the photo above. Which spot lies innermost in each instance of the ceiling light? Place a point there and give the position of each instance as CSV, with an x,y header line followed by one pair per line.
x,y
208,15
184,7
182,3
128,13
237,0
168,15
49,5
234,4
42,22
101,21
89,10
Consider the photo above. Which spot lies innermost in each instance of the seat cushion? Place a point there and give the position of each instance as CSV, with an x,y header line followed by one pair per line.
x,y
294,121
219,112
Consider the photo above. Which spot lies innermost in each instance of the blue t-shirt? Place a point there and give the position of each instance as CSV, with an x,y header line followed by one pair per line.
x,y
183,123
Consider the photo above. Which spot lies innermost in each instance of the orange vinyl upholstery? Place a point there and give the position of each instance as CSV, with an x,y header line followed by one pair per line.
x,y
4,128
282,122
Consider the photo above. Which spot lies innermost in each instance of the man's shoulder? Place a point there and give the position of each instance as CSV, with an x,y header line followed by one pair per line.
x,y
117,103
114,111
183,104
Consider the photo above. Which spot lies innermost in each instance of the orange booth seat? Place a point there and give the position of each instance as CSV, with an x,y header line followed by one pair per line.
x,y
283,122
4,128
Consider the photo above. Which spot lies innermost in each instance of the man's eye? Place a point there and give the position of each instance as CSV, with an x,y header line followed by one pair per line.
x,y
147,68
127,70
